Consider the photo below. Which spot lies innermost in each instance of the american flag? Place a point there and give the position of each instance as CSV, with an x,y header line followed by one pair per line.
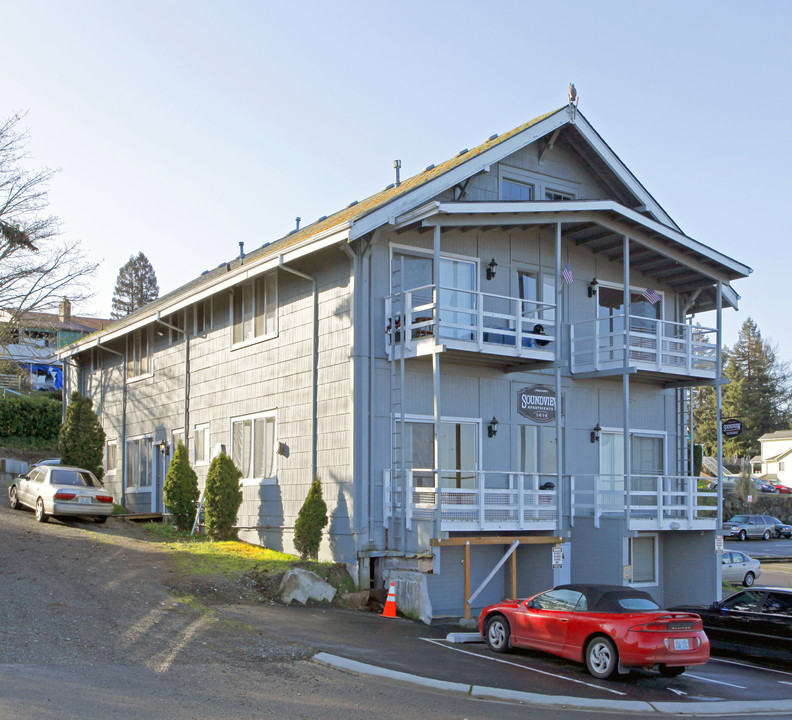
x,y
651,296
566,273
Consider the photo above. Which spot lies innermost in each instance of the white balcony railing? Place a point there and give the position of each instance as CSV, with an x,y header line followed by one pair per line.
x,y
469,320
664,502
486,501
653,345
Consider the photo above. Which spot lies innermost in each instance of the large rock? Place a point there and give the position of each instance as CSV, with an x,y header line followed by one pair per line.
x,y
303,585
412,594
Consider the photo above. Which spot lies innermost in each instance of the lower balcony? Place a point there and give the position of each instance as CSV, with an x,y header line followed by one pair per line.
x,y
472,501
663,502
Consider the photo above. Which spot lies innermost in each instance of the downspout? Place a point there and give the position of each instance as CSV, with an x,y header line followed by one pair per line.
x,y
186,334
315,354
123,415
369,464
626,386
718,401
559,360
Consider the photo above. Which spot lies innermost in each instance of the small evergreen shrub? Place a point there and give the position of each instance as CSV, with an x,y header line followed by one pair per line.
x,y
222,498
698,459
81,439
310,521
180,490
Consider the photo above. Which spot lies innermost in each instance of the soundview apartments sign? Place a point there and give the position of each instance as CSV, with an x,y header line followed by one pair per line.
x,y
537,403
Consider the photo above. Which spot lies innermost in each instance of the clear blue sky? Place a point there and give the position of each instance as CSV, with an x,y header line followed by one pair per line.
x,y
183,127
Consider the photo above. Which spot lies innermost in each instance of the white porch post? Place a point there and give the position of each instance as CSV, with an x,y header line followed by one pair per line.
x,y
436,379
718,426
559,360
626,382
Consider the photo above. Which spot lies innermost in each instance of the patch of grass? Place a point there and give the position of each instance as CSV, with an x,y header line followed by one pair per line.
x,y
119,510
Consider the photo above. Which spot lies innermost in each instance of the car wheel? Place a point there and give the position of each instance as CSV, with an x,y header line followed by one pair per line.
x,y
748,580
13,500
666,671
497,633
788,535
743,536
41,516
766,535
601,657
101,518
776,534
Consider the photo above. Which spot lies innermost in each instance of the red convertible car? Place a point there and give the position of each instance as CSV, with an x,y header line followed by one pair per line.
x,y
608,627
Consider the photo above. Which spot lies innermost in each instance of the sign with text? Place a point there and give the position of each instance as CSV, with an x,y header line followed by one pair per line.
x,y
731,428
537,403
558,557
719,544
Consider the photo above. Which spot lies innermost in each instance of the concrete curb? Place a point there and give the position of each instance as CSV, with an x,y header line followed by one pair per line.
x,y
727,707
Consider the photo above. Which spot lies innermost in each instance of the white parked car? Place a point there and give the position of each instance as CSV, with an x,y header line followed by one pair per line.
x,y
738,567
61,490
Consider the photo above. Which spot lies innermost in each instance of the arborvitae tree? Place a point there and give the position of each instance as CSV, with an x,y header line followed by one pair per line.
x,y
310,521
222,498
81,439
180,489
135,287
758,394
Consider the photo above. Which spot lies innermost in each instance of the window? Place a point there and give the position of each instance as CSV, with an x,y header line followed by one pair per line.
x,y
138,462
529,284
537,449
138,353
555,195
252,442
255,309
111,457
202,316
458,447
643,559
565,600
202,447
514,190
781,466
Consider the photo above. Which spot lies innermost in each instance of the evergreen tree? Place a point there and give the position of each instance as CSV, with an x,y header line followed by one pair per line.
x,y
310,521
223,497
135,287
758,394
81,439
180,490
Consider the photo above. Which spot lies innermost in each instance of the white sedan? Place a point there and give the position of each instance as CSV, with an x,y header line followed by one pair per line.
x,y
738,567
61,490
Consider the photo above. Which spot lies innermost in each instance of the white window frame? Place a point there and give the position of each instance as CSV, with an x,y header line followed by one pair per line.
x,y
655,560
114,445
541,183
634,290
130,359
267,415
545,282
269,277
641,433
208,308
150,467
202,451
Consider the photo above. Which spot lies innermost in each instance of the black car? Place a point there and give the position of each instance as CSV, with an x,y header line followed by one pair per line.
x,y
756,622
781,528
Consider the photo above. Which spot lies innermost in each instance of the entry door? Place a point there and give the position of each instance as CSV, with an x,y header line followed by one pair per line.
x,y
459,453
648,460
458,299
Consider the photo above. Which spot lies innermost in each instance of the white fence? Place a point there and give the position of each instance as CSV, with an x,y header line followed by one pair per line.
x,y
656,345
486,501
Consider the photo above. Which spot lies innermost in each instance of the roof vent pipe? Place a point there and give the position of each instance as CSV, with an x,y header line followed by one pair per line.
x,y
297,220
241,251
397,165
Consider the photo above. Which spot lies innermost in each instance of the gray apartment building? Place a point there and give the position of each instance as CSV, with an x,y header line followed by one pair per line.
x,y
487,364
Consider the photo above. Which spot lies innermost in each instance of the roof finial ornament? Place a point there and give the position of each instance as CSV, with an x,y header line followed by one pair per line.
x,y
573,101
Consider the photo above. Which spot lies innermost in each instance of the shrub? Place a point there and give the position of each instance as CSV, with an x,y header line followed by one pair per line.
x,y
310,521
222,498
180,490
81,439
34,417
698,459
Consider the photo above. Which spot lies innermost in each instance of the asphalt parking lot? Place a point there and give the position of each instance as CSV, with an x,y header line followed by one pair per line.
x,y
773,548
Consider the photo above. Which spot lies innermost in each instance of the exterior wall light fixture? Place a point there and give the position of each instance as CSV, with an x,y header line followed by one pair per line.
x,y
491,267
595,433
492,428
163,447
592,288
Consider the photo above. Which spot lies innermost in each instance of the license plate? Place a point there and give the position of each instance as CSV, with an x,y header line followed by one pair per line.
x,y
681,644
85,499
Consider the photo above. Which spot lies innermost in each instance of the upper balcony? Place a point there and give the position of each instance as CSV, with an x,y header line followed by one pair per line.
x,y
674,351
492,327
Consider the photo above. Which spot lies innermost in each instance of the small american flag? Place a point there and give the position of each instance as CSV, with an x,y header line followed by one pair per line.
x,y
566,273
651,296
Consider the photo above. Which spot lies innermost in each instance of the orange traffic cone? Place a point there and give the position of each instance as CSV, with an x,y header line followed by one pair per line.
x,y
390,603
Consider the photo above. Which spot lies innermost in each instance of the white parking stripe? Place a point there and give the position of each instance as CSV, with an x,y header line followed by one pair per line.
x,y
524,667
717,682
753,667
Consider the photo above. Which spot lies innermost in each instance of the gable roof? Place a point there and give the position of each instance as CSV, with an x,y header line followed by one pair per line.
x,y
777,435
361,218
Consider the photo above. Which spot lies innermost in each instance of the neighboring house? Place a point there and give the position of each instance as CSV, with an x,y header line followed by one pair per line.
x,y
776,457
36,336
424,353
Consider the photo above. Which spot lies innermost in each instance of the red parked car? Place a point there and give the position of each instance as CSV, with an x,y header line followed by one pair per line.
x,y
783,489
607,627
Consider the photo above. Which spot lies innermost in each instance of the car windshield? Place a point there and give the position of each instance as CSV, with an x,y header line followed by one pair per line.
x,y
74,478
739,519
633,603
